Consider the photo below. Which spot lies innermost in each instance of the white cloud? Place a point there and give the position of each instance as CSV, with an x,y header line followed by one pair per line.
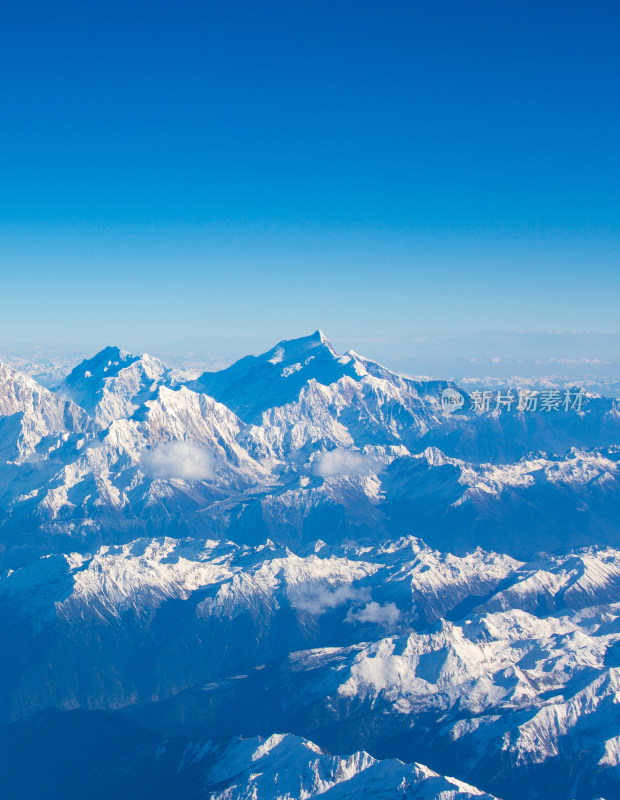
x,y
387,614
344,462
315,599
182,460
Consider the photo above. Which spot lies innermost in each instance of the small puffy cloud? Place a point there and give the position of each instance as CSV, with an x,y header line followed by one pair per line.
x,y
181,460
315,599
376,613
334,463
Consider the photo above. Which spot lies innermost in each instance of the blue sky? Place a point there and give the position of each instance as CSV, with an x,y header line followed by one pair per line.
x,y
193,172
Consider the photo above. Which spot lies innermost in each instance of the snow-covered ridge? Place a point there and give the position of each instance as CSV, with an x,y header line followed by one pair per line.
x,y
424,584
285,767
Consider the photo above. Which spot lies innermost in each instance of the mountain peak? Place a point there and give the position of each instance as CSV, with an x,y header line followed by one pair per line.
x,y
294,348
109,360
113,383
275,378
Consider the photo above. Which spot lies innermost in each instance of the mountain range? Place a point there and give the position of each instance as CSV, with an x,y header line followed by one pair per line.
x,y
300,575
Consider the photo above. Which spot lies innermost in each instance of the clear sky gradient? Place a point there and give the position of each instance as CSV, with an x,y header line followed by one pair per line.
x,y
191,171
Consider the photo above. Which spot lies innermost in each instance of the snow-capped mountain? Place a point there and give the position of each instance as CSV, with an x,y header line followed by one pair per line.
x,y
285,766
294,445
305,547
257,383
397,649
114,757
34,422
113,384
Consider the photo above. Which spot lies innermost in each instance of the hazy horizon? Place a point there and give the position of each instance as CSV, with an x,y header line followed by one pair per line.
x,y
497,355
